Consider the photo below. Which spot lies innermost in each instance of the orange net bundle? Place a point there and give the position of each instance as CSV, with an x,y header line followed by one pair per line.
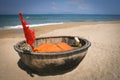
x,y
48,47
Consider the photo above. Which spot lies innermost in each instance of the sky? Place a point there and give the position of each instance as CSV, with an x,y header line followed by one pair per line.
x,y
60,6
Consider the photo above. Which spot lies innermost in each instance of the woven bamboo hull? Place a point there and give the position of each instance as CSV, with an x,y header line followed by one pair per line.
x,y
53,62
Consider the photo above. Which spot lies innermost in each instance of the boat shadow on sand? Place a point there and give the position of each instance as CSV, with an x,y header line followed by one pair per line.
x,y
45,72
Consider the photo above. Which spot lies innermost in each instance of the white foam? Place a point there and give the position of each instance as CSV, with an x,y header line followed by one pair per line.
x,y
14,27
36,25
33,25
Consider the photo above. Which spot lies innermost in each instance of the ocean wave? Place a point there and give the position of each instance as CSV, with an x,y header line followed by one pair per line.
x,y
32,25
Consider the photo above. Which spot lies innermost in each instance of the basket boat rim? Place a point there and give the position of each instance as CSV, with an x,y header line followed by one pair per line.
x,y
74,51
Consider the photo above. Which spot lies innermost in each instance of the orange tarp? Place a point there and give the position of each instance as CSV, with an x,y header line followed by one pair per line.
x,y
48,47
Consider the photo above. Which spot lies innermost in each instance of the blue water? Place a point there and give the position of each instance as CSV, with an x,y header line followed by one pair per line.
x,y
13,20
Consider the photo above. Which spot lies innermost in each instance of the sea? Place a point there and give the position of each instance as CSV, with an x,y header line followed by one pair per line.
x,y
13,21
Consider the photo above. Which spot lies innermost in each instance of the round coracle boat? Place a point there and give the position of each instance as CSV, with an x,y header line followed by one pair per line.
x,y
51,62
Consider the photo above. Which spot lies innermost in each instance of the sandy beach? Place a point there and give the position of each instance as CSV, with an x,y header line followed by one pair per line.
x,y
102,61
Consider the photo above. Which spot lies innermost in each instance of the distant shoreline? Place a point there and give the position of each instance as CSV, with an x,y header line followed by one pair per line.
x,y
18,32
47,24
33,25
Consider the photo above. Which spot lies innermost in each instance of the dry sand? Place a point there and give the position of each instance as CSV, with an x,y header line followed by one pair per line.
x,y
102,61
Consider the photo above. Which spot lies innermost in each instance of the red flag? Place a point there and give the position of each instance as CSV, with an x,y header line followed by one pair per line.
x,y
29,34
